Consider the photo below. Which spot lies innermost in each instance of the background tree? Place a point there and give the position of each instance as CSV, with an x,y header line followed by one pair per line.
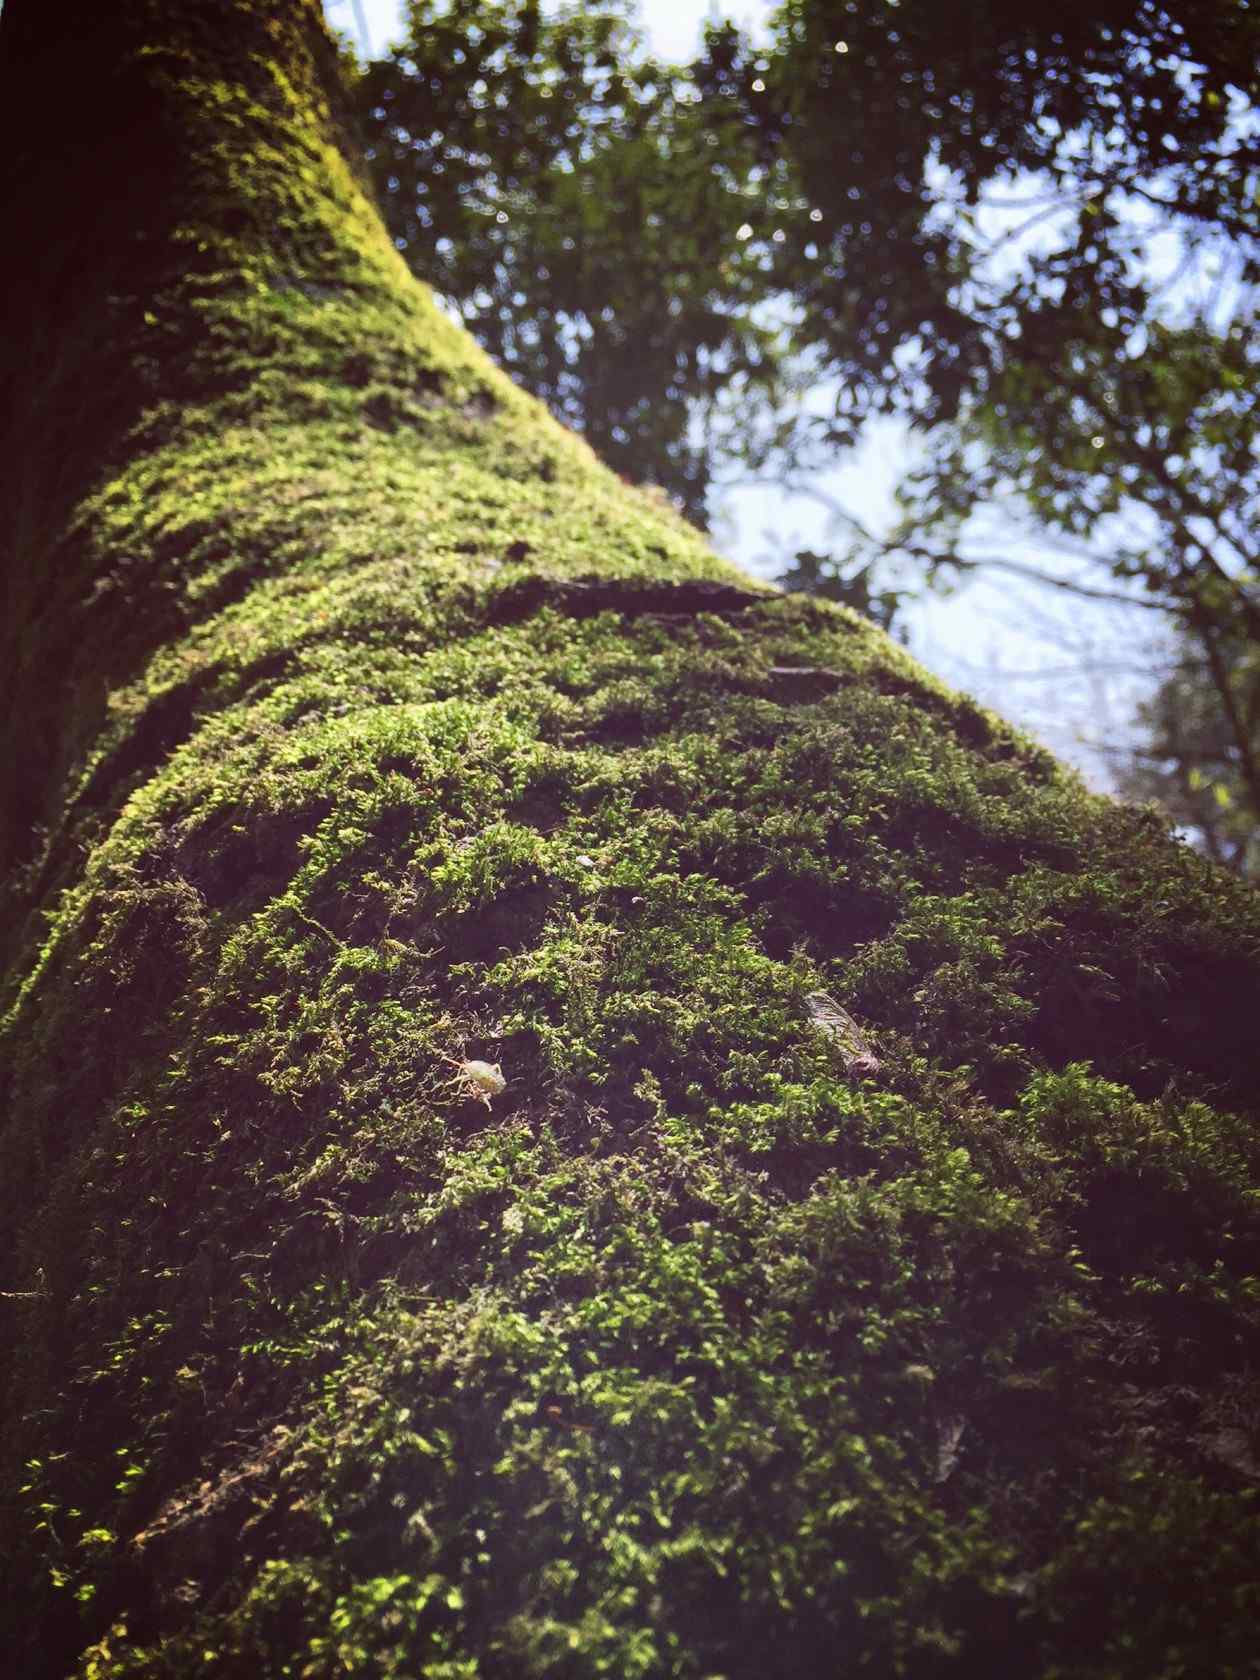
x,y
563,191
848,1267
1188,756
885,131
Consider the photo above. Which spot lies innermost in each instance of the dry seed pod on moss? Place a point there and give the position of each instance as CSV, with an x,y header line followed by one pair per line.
x,y
839,1026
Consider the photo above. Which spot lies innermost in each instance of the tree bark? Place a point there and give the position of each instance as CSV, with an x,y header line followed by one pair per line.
x,y
845,1269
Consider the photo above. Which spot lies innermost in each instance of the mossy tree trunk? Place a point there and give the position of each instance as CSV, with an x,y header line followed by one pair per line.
x,y
854,1274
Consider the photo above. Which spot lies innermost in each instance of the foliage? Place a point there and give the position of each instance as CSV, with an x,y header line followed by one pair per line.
x,y
565,193
818,574
884,128
1187,757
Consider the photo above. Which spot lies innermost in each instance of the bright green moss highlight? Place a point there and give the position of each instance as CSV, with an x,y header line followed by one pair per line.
x,y
390,731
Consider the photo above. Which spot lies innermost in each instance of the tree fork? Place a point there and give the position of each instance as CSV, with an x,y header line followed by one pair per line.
x,y
362,724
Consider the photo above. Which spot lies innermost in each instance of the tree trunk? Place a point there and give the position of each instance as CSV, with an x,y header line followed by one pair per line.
x,y
566,1114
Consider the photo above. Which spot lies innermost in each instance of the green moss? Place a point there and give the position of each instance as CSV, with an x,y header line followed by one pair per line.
x,y
390,731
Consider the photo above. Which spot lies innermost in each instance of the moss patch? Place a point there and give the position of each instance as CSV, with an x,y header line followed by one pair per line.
x,y
389,732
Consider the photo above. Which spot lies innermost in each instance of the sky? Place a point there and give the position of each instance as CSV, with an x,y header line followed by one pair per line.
x,y
673,26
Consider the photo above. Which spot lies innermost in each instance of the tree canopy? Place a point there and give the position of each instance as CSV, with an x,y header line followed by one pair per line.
x,y
885,128
565,192
852,154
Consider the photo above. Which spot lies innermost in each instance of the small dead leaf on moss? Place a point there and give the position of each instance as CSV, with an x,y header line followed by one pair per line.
x,y
835,1022
1235,1448
949,1448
